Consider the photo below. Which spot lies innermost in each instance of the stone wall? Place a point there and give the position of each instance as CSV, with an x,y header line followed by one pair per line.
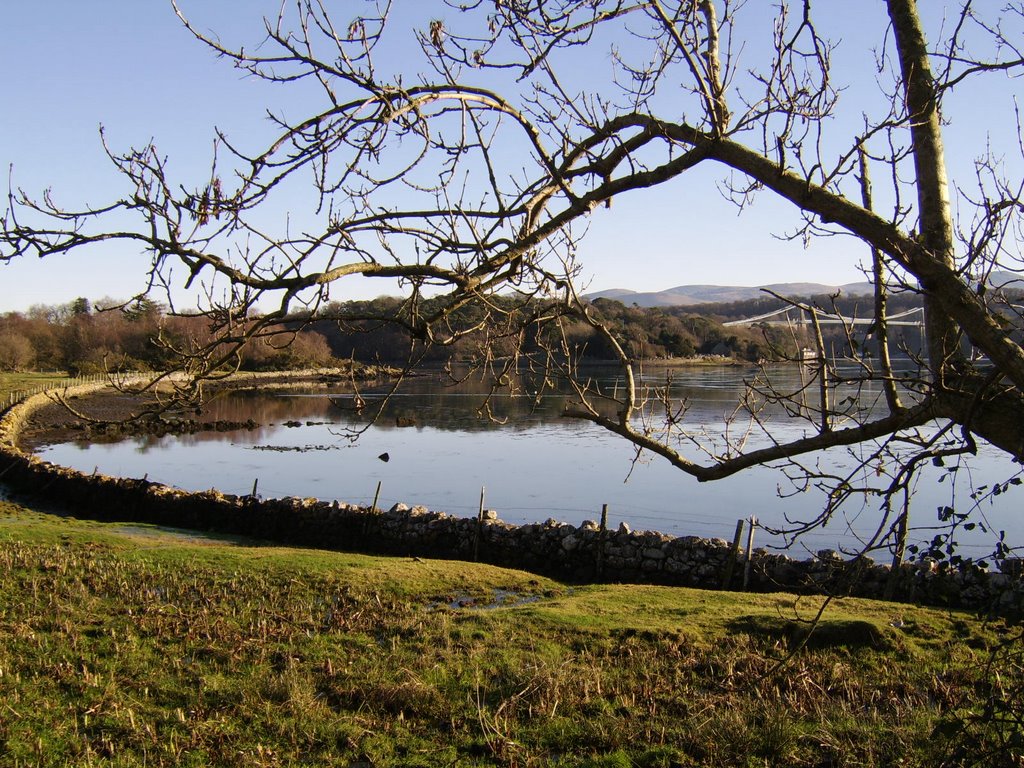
x,y
574,553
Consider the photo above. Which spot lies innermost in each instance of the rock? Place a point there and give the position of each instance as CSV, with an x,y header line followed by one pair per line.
x,y
707,572
624,528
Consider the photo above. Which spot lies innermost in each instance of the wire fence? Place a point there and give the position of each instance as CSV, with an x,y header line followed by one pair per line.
x,y
16,396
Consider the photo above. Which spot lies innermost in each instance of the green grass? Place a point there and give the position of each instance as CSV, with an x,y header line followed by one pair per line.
x,y
132,645
12,382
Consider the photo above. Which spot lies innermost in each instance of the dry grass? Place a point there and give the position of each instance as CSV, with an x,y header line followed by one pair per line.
x,y
132,646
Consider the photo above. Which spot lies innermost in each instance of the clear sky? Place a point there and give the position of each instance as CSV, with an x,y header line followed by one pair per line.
x,y
70,66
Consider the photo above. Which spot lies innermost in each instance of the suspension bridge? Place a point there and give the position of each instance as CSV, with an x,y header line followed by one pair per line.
x,y
795,316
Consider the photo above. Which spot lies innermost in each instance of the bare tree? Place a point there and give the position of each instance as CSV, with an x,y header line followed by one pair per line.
x,y
473,168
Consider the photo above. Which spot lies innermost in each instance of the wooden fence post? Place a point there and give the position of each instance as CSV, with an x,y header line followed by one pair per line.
x,y
479,527
750,552
369,519
734,553
376,498
602,536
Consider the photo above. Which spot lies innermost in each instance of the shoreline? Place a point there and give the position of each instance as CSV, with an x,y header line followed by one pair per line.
x,y
110,413
106,411
587,553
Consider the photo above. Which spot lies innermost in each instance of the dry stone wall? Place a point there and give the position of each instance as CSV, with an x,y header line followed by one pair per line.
x,y
574,553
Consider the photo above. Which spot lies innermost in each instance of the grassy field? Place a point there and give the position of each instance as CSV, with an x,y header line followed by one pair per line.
x,y
130,645
12,382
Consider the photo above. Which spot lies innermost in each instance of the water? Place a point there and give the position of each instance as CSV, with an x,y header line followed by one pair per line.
x,y
532,462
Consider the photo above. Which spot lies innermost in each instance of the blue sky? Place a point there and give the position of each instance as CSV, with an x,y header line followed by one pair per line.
x,y
71,66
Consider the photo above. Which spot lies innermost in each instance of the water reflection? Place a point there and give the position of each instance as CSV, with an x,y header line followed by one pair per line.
x,y
533,462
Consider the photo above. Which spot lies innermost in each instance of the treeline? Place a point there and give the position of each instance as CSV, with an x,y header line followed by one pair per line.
x,y
643,333
773,341
671,332
79,339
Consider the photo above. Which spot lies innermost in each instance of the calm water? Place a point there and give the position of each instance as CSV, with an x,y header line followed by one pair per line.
x,y
532,462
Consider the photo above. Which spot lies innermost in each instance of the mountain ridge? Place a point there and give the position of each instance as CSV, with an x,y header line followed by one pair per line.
x,y
690,295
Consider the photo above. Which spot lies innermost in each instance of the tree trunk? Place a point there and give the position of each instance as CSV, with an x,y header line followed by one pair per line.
x,y
935,221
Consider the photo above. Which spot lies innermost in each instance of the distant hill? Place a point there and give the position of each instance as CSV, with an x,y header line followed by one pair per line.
x,y
687,295
1008,280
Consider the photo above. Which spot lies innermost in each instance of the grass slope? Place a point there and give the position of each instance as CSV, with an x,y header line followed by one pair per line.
x,y
131,645
12,382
